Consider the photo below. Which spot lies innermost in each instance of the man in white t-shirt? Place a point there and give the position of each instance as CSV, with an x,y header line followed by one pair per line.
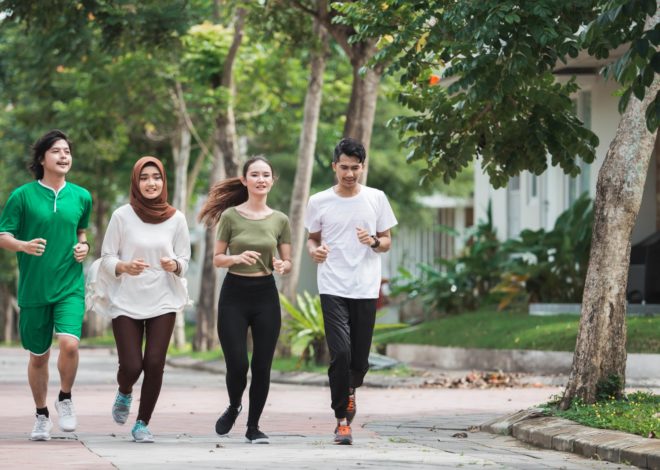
x,y
349,226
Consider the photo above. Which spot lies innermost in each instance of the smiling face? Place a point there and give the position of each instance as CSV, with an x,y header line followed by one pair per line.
x,y
151,182
258,178
57,159
348,171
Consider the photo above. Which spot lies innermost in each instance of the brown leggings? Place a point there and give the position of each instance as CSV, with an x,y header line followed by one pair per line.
x,y
129,334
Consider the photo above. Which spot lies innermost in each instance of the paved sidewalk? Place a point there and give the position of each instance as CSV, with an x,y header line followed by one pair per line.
x,y
396,428
529,426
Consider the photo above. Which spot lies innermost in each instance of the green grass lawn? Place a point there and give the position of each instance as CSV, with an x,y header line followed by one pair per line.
x,y
489,329
636,414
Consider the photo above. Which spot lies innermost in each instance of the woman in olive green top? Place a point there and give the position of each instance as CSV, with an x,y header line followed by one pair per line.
x,y
253,242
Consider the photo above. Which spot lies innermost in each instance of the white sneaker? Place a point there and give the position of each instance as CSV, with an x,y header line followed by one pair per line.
x,y
41,429
67,415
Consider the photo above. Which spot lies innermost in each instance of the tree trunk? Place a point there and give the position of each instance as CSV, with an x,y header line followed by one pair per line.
x,y
599,362
181,147
8,313
181,156
364,93
303,179
362,105
206,337
95,325
225,158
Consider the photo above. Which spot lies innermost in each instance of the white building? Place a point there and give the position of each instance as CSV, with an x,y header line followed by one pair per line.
x,y
534,202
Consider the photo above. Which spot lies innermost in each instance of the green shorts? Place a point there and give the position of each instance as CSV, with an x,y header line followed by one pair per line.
x,y
36,324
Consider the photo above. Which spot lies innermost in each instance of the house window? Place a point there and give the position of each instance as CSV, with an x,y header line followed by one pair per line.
x,y
581,183
532,187
513,207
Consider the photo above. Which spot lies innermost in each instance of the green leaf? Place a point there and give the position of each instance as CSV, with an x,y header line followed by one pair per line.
x,y
639,90
653,114
655,62
625,98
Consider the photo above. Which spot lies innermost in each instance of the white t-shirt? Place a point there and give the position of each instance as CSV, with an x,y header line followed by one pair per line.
x,y
155,291
352,269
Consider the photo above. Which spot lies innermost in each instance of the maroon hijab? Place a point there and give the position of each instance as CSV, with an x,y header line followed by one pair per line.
x,y
150,211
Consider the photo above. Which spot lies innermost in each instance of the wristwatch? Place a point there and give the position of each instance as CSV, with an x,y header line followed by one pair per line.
x,y
376,242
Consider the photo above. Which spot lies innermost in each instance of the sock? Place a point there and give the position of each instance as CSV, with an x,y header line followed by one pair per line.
x,y
342,422
43,411
64,396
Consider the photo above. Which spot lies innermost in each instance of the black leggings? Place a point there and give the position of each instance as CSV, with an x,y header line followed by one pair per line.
x,y
248,302
129,334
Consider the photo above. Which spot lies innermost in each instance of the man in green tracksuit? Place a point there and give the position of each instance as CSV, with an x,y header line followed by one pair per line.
x,y
44,222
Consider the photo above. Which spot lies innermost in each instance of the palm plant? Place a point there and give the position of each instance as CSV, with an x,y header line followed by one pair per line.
x,y
304,327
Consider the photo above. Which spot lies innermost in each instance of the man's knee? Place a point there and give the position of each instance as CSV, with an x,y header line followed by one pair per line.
x,y
68,345
39,361
341,356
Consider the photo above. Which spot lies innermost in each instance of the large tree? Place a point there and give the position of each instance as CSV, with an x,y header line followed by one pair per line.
x,y
307,146
225,164
359,50
503,106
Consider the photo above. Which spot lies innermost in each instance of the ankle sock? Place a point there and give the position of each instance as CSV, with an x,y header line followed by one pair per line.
x,y
342,422
43,411
64,396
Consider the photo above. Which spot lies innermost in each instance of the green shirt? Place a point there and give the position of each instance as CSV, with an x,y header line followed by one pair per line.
x,y
37,211
263,236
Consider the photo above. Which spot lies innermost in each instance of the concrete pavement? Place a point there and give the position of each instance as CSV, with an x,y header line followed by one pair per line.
x,y
395,427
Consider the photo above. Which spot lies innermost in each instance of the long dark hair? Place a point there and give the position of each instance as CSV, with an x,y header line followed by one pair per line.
x,y
227,193
41,146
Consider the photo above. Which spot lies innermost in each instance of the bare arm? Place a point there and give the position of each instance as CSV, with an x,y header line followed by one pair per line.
x,y
283,265
385,239
34,247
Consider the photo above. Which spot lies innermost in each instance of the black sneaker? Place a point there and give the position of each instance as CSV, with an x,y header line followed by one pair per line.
x,y
225,422
254,436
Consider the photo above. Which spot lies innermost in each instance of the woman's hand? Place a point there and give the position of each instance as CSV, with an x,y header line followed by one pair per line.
x,y
281,266
132,268
247,257
170,265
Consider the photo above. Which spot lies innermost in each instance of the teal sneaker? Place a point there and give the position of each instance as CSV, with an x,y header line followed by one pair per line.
x,y
141,432
121,407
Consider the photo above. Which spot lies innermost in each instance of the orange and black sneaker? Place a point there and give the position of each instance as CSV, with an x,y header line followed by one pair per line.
x,y
351,408
343,435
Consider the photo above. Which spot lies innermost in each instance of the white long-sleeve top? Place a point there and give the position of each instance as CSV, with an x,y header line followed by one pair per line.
x,y
155,291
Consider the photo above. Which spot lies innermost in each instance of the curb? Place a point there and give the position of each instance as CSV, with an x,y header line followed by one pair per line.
x,y
532,427
298,378
642,370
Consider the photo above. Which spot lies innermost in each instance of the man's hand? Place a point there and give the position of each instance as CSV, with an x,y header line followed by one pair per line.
x,y
80,251
35,247
320,254
364,236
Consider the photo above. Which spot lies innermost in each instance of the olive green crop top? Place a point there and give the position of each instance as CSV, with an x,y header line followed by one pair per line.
x,y
263,236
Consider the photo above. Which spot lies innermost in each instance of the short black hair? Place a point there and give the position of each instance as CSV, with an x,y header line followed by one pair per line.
x,y
350,148
40,148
